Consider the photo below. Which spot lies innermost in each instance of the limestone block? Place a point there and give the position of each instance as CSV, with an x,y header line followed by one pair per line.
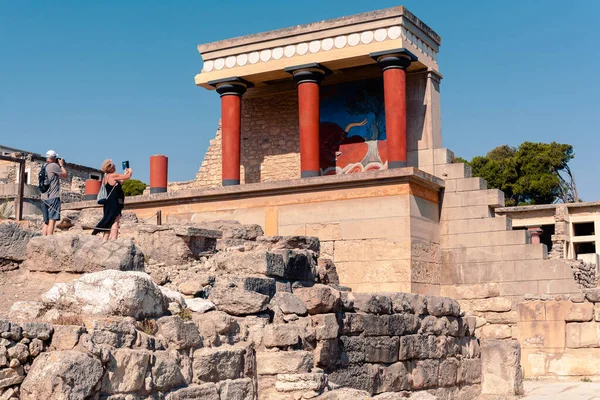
x,y
361,377
166,370
393,378
179,333
392,325
448,372
236,389
283,362
597,312
440,306
557,310
531,311
472,212
495,304
326,326
62,374
452,171
467,184
301,382
352,349
431,325
329,231
382,349
475,291
469,371
11,376
286,264
207,391
327,353
425,374
371,303
494,331
237,301
218,364
126,371
542,334
501,369
109,292
586,334
371,250
509,317
281,335
13,241
319,298
592,295
352,324
326,270
580,312
408,302
75,253
289,303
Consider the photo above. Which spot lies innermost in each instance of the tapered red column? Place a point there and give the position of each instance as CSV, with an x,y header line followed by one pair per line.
x,y
231,91
308,78
394,64
159,170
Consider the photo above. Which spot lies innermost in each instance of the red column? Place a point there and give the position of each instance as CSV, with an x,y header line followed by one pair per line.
x,y
308,78
159,168
231,92
394,64
92,187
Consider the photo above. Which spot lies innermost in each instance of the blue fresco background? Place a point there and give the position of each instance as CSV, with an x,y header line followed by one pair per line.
x,y
352,102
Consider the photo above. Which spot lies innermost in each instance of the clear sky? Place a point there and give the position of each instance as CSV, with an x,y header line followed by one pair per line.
x,y
100,79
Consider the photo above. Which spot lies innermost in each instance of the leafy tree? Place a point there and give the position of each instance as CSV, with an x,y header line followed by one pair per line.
x,y
533,173
133,187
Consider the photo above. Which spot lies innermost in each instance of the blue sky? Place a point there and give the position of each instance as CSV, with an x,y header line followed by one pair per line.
x,y
115,78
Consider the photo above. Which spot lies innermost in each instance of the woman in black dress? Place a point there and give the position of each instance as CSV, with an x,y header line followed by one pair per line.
x,y
109,225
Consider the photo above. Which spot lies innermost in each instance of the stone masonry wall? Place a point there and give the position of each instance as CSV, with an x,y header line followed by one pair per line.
x,y
560,336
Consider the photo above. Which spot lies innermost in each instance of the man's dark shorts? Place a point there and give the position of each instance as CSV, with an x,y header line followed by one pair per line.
x,y
51,209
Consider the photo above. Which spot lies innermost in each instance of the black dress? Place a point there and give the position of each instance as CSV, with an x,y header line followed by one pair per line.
x,y
112,207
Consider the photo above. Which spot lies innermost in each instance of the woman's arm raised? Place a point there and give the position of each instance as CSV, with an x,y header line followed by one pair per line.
x,y
122,177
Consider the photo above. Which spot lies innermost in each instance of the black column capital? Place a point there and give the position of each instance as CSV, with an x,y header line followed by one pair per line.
x,y
231,86
397,58
313,72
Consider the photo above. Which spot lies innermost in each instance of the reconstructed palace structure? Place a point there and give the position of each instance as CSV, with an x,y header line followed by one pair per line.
x,y
333,129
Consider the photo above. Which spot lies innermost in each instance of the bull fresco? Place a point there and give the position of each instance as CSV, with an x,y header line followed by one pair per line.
x,y
352,128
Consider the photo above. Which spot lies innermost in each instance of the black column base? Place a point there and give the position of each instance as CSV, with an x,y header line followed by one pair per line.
x,y
230,182
157,190
397,164
90,197
309,174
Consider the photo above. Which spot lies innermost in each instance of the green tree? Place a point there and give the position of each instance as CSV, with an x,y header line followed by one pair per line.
x,y
133,187
533,173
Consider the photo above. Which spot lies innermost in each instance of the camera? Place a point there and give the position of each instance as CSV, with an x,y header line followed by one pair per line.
x,y
125,165
59,158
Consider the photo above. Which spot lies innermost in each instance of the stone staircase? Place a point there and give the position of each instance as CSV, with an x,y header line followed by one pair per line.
x,y
481,255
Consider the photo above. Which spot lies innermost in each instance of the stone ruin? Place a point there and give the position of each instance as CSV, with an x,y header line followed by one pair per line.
x,y
220,311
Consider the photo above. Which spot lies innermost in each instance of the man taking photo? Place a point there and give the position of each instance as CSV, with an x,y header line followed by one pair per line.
x,y
51,197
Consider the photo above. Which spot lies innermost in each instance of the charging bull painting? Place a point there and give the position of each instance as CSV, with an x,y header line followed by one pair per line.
x,y
352,128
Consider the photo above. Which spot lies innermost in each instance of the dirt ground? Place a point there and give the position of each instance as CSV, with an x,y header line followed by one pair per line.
x,y
554,390
20,285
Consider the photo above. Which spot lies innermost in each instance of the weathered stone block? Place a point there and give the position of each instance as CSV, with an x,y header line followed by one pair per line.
x,y
382,349
301,382
13,241
39,330
393,378
469,371
352,349
218,364
431,325
281,335
286,264
557,310
62,374
580,312
425,374
327,353
237,301
501,368
495,331
413,347
326,326
207,391
126,371
469,347
361,377
11,376
592,295
509,317
372,303
237,389
352,324
289,303
166,370
586,334
495,304
75,253
178,333
408,303
448,372
319,299
542,334
440,306
283,362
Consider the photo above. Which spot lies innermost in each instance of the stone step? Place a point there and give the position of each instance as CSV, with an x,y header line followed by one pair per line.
x,y
499,223
490,197
453,171
465,184
497,238
470,212
482,254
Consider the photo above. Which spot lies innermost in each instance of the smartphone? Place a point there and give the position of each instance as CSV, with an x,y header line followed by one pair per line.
x,y
125,165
